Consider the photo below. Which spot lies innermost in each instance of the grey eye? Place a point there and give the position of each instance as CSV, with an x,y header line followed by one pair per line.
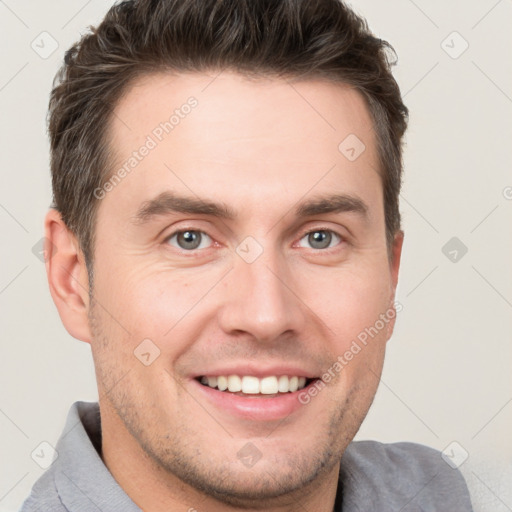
x,y
320,239
189,240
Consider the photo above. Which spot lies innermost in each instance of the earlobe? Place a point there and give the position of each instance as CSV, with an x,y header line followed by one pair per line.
x,y
67,276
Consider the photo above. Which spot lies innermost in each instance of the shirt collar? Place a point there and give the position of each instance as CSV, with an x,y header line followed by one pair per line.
x,y
81,478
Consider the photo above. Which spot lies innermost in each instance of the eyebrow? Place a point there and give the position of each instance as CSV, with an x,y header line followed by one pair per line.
x,y
336,203
168,202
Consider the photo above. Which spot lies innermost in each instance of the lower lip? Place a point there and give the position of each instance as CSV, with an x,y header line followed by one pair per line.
x,y
254,407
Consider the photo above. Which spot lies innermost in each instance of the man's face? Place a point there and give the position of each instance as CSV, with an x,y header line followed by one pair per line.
x,y
280,287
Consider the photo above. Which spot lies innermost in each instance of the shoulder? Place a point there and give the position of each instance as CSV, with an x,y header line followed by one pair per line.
x,y
43,496
405,474
413,457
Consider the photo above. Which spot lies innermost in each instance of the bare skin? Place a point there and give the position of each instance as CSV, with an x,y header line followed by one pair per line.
x,y
259,149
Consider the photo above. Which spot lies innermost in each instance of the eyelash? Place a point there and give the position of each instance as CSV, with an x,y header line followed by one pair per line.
x,y
179,231
306,233
327,230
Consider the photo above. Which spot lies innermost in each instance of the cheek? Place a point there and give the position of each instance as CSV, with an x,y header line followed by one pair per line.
x,y
158,303
351,303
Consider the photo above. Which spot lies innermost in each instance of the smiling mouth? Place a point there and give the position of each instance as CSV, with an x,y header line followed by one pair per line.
x,y
253,386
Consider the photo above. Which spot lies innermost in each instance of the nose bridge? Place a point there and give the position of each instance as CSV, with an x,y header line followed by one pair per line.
x,y
260,302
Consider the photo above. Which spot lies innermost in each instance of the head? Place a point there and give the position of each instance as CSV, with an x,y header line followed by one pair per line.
x,y
226,179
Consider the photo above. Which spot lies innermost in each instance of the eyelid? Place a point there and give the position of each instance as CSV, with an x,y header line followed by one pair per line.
x,y
185,225
306,231
183,230
322,228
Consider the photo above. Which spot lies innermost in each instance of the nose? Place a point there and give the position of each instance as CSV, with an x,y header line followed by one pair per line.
x,y
258,299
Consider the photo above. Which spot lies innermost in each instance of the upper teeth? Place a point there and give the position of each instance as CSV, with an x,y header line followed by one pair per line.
x,y
253,385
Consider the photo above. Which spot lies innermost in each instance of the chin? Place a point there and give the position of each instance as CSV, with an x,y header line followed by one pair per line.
x,y
265,483
276,475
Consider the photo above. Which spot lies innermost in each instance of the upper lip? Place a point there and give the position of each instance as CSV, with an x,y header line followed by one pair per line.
x,y
257,370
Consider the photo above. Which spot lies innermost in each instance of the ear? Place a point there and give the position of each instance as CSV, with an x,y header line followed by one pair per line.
x,y
394,267
396,255
67,276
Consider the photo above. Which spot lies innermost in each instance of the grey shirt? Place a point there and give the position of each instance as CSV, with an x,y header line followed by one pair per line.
x,y
399,477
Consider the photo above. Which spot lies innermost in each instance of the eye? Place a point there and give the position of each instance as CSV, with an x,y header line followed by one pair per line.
x,y
320,239
189,240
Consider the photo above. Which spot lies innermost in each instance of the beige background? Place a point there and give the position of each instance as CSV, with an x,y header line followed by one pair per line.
x,y
448,372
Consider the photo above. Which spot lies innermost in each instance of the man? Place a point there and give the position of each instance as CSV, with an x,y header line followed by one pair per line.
x,y
225,235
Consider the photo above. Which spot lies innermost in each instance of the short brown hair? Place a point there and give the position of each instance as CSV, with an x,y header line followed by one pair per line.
x,y
280,38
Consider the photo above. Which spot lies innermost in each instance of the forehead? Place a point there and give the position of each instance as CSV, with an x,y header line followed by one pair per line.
x,y
213,133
